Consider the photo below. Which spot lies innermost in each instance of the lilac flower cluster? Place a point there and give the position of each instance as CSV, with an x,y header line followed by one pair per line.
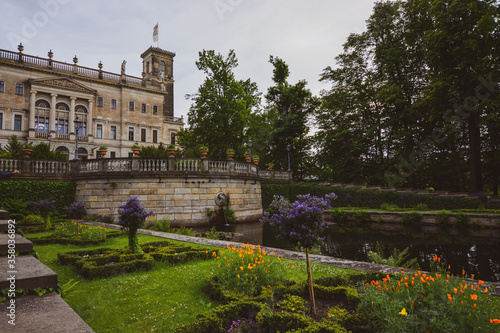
x,y
236,326
42,207
132,214
300,221
77,210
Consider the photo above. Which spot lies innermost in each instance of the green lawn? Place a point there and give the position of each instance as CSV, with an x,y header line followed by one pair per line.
x,y
158,300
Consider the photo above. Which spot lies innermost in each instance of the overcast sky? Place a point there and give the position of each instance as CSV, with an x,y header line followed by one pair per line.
x,y
306,34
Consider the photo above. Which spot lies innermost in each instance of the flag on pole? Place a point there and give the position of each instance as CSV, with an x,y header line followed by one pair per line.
x,y
155,33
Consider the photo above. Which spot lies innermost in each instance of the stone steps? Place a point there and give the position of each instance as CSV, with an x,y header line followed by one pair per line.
x,y
4,225
29,273
4,215
22,245
47,313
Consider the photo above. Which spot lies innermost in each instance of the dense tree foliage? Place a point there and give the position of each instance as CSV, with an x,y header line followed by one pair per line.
x,y
221,111
413,98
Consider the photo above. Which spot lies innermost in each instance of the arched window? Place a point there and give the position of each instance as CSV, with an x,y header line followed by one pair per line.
x,y
42,111
62,118
82,153
81,116
63,150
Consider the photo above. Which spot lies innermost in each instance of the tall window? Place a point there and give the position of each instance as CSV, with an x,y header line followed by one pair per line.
x,y
131,134
162,67
131,106
172,138
155,136
81,116
98,131
113,103
112,133
42,111
19,88
18,119
62,118
2,86
155,109
113,154
143,108
143,134
1,120
100,101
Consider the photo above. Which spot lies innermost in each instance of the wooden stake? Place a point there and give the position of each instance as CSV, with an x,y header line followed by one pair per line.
x,y
312,305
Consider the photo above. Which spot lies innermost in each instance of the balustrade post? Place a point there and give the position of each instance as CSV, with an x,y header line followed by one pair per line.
x,y
171,164
204,167
135,164
231,166
25,166
102,165
75,168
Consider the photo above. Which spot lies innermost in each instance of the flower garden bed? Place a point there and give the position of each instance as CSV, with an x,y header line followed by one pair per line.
x,y
283,308
106,262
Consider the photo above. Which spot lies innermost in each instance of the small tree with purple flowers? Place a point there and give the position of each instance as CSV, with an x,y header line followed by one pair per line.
x,y
132,216
300,222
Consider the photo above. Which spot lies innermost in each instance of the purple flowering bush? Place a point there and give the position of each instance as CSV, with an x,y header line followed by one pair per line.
x,y
77,210
300,221
42,207
132,216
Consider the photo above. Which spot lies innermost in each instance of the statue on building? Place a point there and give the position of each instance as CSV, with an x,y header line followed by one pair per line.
x,y
162,77
124,63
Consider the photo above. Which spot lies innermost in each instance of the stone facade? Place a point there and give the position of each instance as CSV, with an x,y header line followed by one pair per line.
x,y
185,201
40,99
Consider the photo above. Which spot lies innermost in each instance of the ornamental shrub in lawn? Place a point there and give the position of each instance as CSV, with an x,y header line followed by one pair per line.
x,y
132,216
77,210
301,223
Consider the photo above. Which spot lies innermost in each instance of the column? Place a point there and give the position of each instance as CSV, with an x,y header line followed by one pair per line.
x,y
32,109
52,116
71,128
90,123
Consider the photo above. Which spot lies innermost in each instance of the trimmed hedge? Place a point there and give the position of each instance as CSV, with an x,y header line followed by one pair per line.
x,y
105,262
366,197
260,309
63,192
55,239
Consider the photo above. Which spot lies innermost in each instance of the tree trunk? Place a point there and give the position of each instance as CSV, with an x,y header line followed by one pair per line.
x,y
312,303
474,154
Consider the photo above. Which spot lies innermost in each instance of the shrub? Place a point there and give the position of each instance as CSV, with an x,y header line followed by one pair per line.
x,y
77,210
293,303
443,217
339,216
421,206
411,218
161,225
461,219
132,216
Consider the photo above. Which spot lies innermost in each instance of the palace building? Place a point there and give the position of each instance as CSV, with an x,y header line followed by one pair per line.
x,y
44,100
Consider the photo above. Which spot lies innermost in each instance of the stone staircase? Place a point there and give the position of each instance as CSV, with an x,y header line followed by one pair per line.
x,y
47,313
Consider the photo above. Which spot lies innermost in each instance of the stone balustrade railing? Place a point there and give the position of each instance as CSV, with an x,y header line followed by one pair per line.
x,y
138,167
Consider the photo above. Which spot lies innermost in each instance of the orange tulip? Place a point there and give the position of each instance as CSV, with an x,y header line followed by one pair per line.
x,y
473,297
480,282
495,321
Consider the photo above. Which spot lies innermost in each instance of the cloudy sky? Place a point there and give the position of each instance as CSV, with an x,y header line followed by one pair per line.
x,y
307,34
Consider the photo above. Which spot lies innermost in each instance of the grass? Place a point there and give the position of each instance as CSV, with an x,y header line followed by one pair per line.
x,y
159,300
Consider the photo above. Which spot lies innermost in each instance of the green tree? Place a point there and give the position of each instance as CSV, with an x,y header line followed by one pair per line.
x,y
288,108
223,107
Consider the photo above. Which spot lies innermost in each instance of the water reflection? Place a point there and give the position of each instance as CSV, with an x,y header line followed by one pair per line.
x,y
460,249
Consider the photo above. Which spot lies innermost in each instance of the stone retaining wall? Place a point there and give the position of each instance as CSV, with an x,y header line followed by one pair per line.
x,y
184,200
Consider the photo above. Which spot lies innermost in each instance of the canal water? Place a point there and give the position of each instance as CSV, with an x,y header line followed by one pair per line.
x,y
476,252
